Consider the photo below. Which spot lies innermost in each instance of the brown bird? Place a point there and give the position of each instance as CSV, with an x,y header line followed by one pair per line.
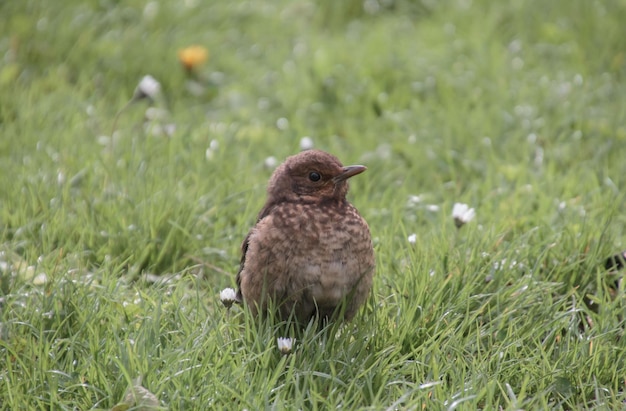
x,y
310,252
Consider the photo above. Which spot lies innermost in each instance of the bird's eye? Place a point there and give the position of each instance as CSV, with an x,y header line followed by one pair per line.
x,y
313,176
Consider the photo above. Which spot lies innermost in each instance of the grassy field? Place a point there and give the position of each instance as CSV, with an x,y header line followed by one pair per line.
x,y
121,222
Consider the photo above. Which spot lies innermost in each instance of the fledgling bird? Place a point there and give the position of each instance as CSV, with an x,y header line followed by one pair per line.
x,y
310,251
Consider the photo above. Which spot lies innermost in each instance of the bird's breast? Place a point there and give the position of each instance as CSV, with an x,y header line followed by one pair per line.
x,y
330,249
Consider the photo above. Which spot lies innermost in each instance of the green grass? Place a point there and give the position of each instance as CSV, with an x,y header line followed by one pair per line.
x,y
517,109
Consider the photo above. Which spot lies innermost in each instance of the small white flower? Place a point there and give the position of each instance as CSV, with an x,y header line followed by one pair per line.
x,y
40,279
462,214
156,114
214,145
148,87
306,143
169,129
414,200
271,162
285,344
209,154
282,124
412,238
228,297
103,140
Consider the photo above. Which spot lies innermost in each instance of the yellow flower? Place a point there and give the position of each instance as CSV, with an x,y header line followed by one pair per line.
x,y
193,56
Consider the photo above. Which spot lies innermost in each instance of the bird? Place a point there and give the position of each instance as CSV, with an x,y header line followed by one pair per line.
x,y
310,253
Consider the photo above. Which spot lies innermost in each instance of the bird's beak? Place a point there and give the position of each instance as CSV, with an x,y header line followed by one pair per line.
x,y
349,171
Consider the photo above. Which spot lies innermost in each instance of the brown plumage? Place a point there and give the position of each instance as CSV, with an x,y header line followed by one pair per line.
x,y
310,250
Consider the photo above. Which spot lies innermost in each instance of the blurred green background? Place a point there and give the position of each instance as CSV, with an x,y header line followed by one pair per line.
x,y
515,108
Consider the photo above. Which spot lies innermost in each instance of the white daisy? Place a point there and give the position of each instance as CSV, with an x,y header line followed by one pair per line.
x,y
270,162
285,345
306,143
228,297
462,214
148,87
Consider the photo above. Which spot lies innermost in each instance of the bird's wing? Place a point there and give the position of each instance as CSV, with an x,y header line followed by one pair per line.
x,y
242,262
244,248
265,211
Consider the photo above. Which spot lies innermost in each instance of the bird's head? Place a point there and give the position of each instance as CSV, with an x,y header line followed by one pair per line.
x,y
311,174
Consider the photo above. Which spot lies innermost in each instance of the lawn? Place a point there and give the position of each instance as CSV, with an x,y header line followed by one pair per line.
x,y
122,210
